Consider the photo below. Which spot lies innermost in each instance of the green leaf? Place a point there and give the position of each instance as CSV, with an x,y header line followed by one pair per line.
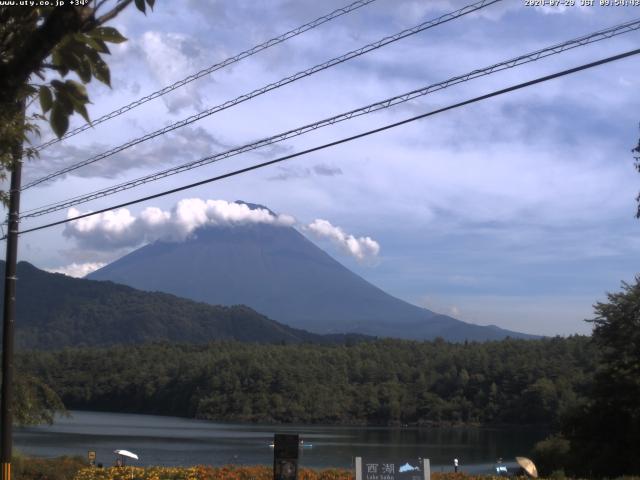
x,y
59,120
71,96
84,69
141,6
77,90
56,59
101,70
82,110
68,58
64,102
102,47
151,3
96,44
57,84
46,99
107,34
92,55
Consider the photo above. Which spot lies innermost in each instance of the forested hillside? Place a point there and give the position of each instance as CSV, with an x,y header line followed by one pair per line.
x,y
381,382
57,311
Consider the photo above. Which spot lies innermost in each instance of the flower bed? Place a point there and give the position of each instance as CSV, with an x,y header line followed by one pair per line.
x,y
261,472
62,468
203,473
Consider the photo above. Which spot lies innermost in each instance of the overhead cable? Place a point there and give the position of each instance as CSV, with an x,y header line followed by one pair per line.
x,y
389,102
272,86
225,63
344,140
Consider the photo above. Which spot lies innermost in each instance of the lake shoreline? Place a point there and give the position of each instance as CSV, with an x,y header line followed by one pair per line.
x,y
174,441
443,424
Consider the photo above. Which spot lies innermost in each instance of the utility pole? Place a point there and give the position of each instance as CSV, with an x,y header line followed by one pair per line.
x,y
9,310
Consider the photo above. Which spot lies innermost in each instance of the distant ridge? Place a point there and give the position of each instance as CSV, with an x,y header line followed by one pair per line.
x,y
279,272
55,311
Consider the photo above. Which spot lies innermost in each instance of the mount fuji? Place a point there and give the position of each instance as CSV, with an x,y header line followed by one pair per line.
x,y
278,272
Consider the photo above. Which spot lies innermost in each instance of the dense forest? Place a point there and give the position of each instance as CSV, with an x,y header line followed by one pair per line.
x,y
378,382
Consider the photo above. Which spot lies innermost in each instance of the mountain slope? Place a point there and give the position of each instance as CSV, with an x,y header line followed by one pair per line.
x,y
280,273
55,311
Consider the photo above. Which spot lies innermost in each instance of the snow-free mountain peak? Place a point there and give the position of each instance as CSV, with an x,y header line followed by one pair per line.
x,y
277,271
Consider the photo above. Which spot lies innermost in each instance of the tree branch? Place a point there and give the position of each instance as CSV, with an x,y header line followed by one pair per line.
x,y
38,46
97,4
51,66
112,13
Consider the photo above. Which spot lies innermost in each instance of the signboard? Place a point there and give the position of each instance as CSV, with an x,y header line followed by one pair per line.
x,y
91,456
285,456
376,469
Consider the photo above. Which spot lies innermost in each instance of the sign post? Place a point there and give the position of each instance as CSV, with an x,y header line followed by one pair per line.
x,y
416,469
285,456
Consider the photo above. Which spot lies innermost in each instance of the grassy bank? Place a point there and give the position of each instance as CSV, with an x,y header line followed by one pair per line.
x,y
31,468
203,473
75,468
262,472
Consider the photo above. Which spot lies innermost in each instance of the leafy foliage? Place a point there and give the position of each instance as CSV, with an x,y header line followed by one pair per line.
x,y
200,472
35,402
62,468
382,382
44,42
637,165
605,433
551,454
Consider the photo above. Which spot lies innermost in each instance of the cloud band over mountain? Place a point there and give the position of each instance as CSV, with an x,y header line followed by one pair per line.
x,y
120,228
360,248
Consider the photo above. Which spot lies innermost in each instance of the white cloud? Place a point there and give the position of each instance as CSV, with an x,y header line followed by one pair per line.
x,y
361,248
120,228
115,228
78,270
288,172
181,146
169,56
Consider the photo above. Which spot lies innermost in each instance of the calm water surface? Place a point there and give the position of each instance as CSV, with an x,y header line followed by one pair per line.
x,y
178,441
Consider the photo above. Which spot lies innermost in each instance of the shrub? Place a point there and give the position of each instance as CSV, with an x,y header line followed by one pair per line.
x,y
62,468
551,454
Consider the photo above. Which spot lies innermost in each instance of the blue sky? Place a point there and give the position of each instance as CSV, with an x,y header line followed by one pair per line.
x,y
517,211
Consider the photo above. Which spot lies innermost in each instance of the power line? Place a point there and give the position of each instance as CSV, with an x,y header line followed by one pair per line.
x,y
555,49
225,63
346,139
520,60
272,86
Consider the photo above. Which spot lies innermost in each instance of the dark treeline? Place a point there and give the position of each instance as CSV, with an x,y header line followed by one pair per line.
x,y
381,382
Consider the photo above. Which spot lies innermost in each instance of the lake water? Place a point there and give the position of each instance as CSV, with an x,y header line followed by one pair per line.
x,y
173,441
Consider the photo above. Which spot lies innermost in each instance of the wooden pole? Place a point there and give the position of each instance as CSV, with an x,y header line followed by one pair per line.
x,y
9,312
